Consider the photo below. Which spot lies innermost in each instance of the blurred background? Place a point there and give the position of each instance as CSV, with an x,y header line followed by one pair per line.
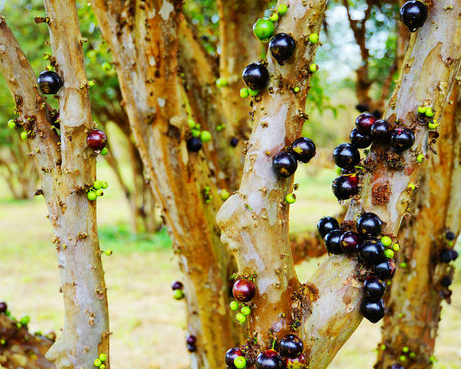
x,y
147,323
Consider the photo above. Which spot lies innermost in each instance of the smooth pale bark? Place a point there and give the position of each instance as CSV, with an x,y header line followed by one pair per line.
x,y
144,44
22,349
414,302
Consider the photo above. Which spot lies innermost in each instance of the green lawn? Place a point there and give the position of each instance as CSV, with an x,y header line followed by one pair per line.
x,y
147,324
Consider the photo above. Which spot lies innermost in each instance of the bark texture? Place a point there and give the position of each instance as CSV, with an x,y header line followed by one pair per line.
x,y
66,168
416,293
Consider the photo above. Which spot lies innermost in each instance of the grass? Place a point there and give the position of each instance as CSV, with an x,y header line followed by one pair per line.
x,y
147,324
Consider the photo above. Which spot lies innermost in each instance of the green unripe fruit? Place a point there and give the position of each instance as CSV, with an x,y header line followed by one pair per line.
x,y
282,9
313,38
405,349
104,185
178,294
241,318
221,82
244,93
104,151
290,198
191,123
420,158
11,124
245,310
102,366
99,193
103,357
433,125
396,247
240,362
97,185
25,320
91,195
106,66
313,68
422,109
205,136
195,133
253,93
429,113
389,253
224,194
274,17
296,89
412,355
402,358
234,305
264,29
23,135
97,362
108,252
386,241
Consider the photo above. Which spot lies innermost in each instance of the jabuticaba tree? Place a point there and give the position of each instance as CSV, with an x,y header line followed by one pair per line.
x,y
423,280
67,168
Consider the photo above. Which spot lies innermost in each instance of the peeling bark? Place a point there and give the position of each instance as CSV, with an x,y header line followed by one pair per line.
x,y
416,293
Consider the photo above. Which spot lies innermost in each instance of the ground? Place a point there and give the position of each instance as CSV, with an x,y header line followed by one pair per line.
x,y
147,323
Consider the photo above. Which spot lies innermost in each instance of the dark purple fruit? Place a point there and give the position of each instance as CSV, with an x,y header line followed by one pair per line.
x,y
177,286
282,47
3,307
402,139
371,253
450,236
373,288
385,269
231,354
381,131
362,107
346,156
49,82
413,14
191,342
333,242
446,281
256,76
296,363
369,225
349,241
327,224
372,310
96,139
345,187
234,141
194,144
291,346
397,366
448,255
303,149
284,164
191,348
364,122
270,359
360,140
243,290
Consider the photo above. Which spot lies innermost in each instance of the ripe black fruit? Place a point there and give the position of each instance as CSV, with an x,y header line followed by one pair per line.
x,y
256,76
284,164
282,47
346,156
369,225
327,224
234,141
450,236
371,253
269,359
374,288
402,139
364,122
243,290
191,342
177,286
3,307
446,281
49,82
385,269
360,140
303,149
345,187
413,14
96,139
194,144
231,354
372,310
333,242
291,346
448,255
349,241
381,131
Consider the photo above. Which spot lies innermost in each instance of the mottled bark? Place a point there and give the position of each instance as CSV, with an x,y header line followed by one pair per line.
x,y
144,42
416,293
66,167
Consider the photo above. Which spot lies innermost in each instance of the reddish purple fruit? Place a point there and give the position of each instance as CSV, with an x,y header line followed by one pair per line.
x,y
385,269
303,149
345,187
296,363
349,241
243,290
3,307
191,342
270,359
364,122
291,346
96,139
359,140
231,354
177,286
